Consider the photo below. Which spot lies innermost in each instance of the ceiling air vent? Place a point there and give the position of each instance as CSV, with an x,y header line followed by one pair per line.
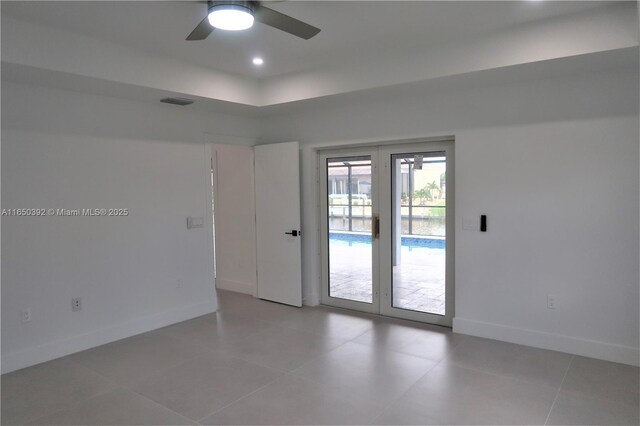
x,y
177,101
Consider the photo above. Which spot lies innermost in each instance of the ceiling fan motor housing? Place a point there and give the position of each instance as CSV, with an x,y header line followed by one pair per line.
x,y
245,6
233,15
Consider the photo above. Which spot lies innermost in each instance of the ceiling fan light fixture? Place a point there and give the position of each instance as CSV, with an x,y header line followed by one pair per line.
x,y
231,17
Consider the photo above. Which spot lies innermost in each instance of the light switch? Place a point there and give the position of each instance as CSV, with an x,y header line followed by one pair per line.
x,y
195,222
471,223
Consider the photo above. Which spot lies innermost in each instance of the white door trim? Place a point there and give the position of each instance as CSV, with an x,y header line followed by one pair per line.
x,y
210,159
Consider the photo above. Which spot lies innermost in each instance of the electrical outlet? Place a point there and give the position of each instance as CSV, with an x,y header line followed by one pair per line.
x,y
76,304
551,301
25,314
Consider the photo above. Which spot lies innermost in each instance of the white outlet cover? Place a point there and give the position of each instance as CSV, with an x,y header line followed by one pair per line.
x,y
26,315
76,304
551,301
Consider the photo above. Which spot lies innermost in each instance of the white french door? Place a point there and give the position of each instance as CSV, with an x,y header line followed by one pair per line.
x,y
387,230
350,229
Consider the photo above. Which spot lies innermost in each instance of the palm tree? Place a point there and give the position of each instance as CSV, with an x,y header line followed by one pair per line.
x,y
421,194
434,187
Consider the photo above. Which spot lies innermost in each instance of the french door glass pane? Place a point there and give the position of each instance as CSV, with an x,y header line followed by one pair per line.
x,y
349,213
418,232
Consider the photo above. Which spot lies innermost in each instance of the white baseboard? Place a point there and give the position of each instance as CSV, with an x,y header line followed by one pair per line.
x,y
557,342
237,286
52,350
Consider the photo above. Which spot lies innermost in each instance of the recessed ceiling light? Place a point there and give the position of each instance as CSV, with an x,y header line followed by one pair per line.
x,y
258,61
231,17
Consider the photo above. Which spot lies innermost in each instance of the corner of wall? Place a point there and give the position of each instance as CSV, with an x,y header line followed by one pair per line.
x,y
236,286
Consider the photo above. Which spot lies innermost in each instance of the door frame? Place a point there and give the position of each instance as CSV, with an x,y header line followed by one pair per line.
x,y
382,250
211,167
325,299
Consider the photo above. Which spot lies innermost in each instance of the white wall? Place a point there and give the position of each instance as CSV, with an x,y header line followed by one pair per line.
x,y
135,273
235,218
32,45
520,148
554,165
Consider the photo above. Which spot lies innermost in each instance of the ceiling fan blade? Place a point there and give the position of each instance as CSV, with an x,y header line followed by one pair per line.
x,y
285,23
202,31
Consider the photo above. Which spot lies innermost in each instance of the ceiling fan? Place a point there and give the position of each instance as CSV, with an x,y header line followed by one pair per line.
x,y
239,15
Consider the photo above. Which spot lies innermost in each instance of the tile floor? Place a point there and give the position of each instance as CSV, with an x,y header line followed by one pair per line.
x,y
258,362
418,282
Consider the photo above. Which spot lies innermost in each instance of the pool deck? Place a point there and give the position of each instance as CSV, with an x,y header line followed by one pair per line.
x,y
418,283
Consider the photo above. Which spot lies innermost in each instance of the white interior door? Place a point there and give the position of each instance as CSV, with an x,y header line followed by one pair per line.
x,y
277,186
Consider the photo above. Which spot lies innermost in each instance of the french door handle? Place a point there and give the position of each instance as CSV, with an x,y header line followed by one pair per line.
x,y
376,226
294,233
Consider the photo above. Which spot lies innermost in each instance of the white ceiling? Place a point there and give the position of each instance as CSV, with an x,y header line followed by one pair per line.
x,y
350,30
137,50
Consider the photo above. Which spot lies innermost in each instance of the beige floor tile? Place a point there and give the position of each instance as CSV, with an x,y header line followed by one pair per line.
x,y
131,359
521,362
602,379
229,299
117,407
575,409
450,394
216,331
205,384
295,401
328,322
428,342
47,387
250,307
403,415
374,374
282,348
258,362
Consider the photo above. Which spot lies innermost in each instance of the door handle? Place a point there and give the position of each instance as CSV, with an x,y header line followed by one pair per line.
x,y
294,233
376,226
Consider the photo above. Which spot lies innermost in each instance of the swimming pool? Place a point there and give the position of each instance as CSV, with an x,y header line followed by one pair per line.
x,y
406,240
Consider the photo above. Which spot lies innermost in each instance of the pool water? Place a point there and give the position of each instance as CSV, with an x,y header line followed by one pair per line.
x,y
406,241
